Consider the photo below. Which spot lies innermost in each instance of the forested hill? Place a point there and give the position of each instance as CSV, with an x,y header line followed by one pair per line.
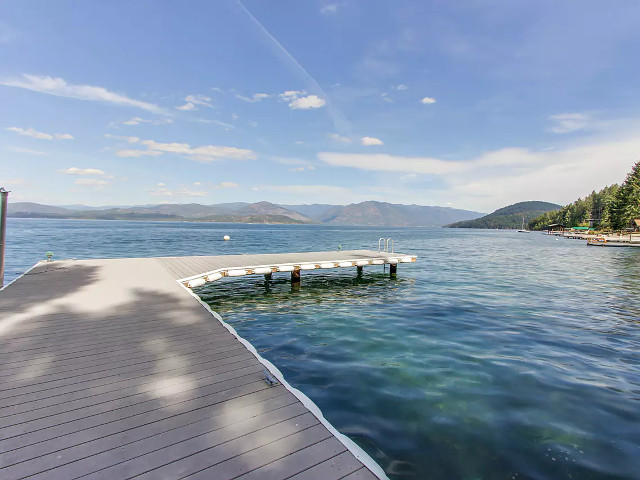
x,y
612,208
509,217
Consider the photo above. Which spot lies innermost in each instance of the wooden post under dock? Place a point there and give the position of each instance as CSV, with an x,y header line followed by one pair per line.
x,y
295,279
115,369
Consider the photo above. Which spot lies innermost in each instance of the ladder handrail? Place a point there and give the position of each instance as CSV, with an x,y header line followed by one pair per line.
x,y
383,245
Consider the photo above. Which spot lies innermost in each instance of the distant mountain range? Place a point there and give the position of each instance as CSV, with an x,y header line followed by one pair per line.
x,y
360,214
508,217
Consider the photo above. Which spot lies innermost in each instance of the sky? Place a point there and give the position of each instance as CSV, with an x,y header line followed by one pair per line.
x,y
472,104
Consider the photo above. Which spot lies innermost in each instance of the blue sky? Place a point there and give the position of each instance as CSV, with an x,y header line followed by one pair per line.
x,y
472,104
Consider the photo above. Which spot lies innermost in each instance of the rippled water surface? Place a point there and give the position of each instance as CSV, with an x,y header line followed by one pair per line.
x,y
497,355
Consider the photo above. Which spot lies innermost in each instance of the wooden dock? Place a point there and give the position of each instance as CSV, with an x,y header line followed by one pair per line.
x,y
113,369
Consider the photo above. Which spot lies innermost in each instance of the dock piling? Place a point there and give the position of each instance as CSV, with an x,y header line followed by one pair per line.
x,y
360,269
4,194
295,280
393,269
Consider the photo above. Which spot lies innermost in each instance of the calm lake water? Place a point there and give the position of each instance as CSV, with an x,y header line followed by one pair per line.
x,y
498,355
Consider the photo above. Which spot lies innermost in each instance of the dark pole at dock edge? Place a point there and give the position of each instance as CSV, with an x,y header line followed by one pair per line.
x,y
4,194
393,269
295,280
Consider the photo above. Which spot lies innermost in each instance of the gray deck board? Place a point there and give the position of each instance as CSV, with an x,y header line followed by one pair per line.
x,y
110,368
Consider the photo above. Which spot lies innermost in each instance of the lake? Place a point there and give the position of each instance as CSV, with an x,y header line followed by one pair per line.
x,y
497,355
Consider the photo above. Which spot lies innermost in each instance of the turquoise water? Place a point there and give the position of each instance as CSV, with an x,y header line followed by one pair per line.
x,y
497,355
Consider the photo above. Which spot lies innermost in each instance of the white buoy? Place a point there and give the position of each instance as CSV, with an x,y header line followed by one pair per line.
x,y
236,273
196,282
226,237
262,270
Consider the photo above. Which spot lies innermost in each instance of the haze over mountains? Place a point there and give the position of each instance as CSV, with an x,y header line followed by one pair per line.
x,y
360,214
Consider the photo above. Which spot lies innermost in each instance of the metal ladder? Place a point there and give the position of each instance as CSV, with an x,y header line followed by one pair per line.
x,y
383,245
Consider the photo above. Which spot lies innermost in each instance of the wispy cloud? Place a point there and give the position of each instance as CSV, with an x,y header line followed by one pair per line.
x,y
330,8
223,185
91,182
400,87
499,177
60,88
128,139
83,171
193,100
186,107
204,153
199,100
256,97
389,163
30,132
138,121
339,138
28,151
371,141
570,122
163,191
428,100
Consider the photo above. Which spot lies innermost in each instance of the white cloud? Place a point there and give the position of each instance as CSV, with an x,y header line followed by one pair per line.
x,y
30,132
570,122
162,191
134,121
199,100
330,8
400,87
371,141
256,97
91,182
428,100
225,185
82,171
127,139
290,95
187,106
60,88
305,103
27,151
302,169
204,153
138,121
137,153
508,175
289,160
339,138
389,163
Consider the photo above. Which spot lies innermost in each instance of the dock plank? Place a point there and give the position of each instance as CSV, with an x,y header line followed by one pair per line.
x,y
110,368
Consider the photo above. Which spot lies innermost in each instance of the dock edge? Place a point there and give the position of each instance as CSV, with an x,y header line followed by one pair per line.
x,y
352,446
